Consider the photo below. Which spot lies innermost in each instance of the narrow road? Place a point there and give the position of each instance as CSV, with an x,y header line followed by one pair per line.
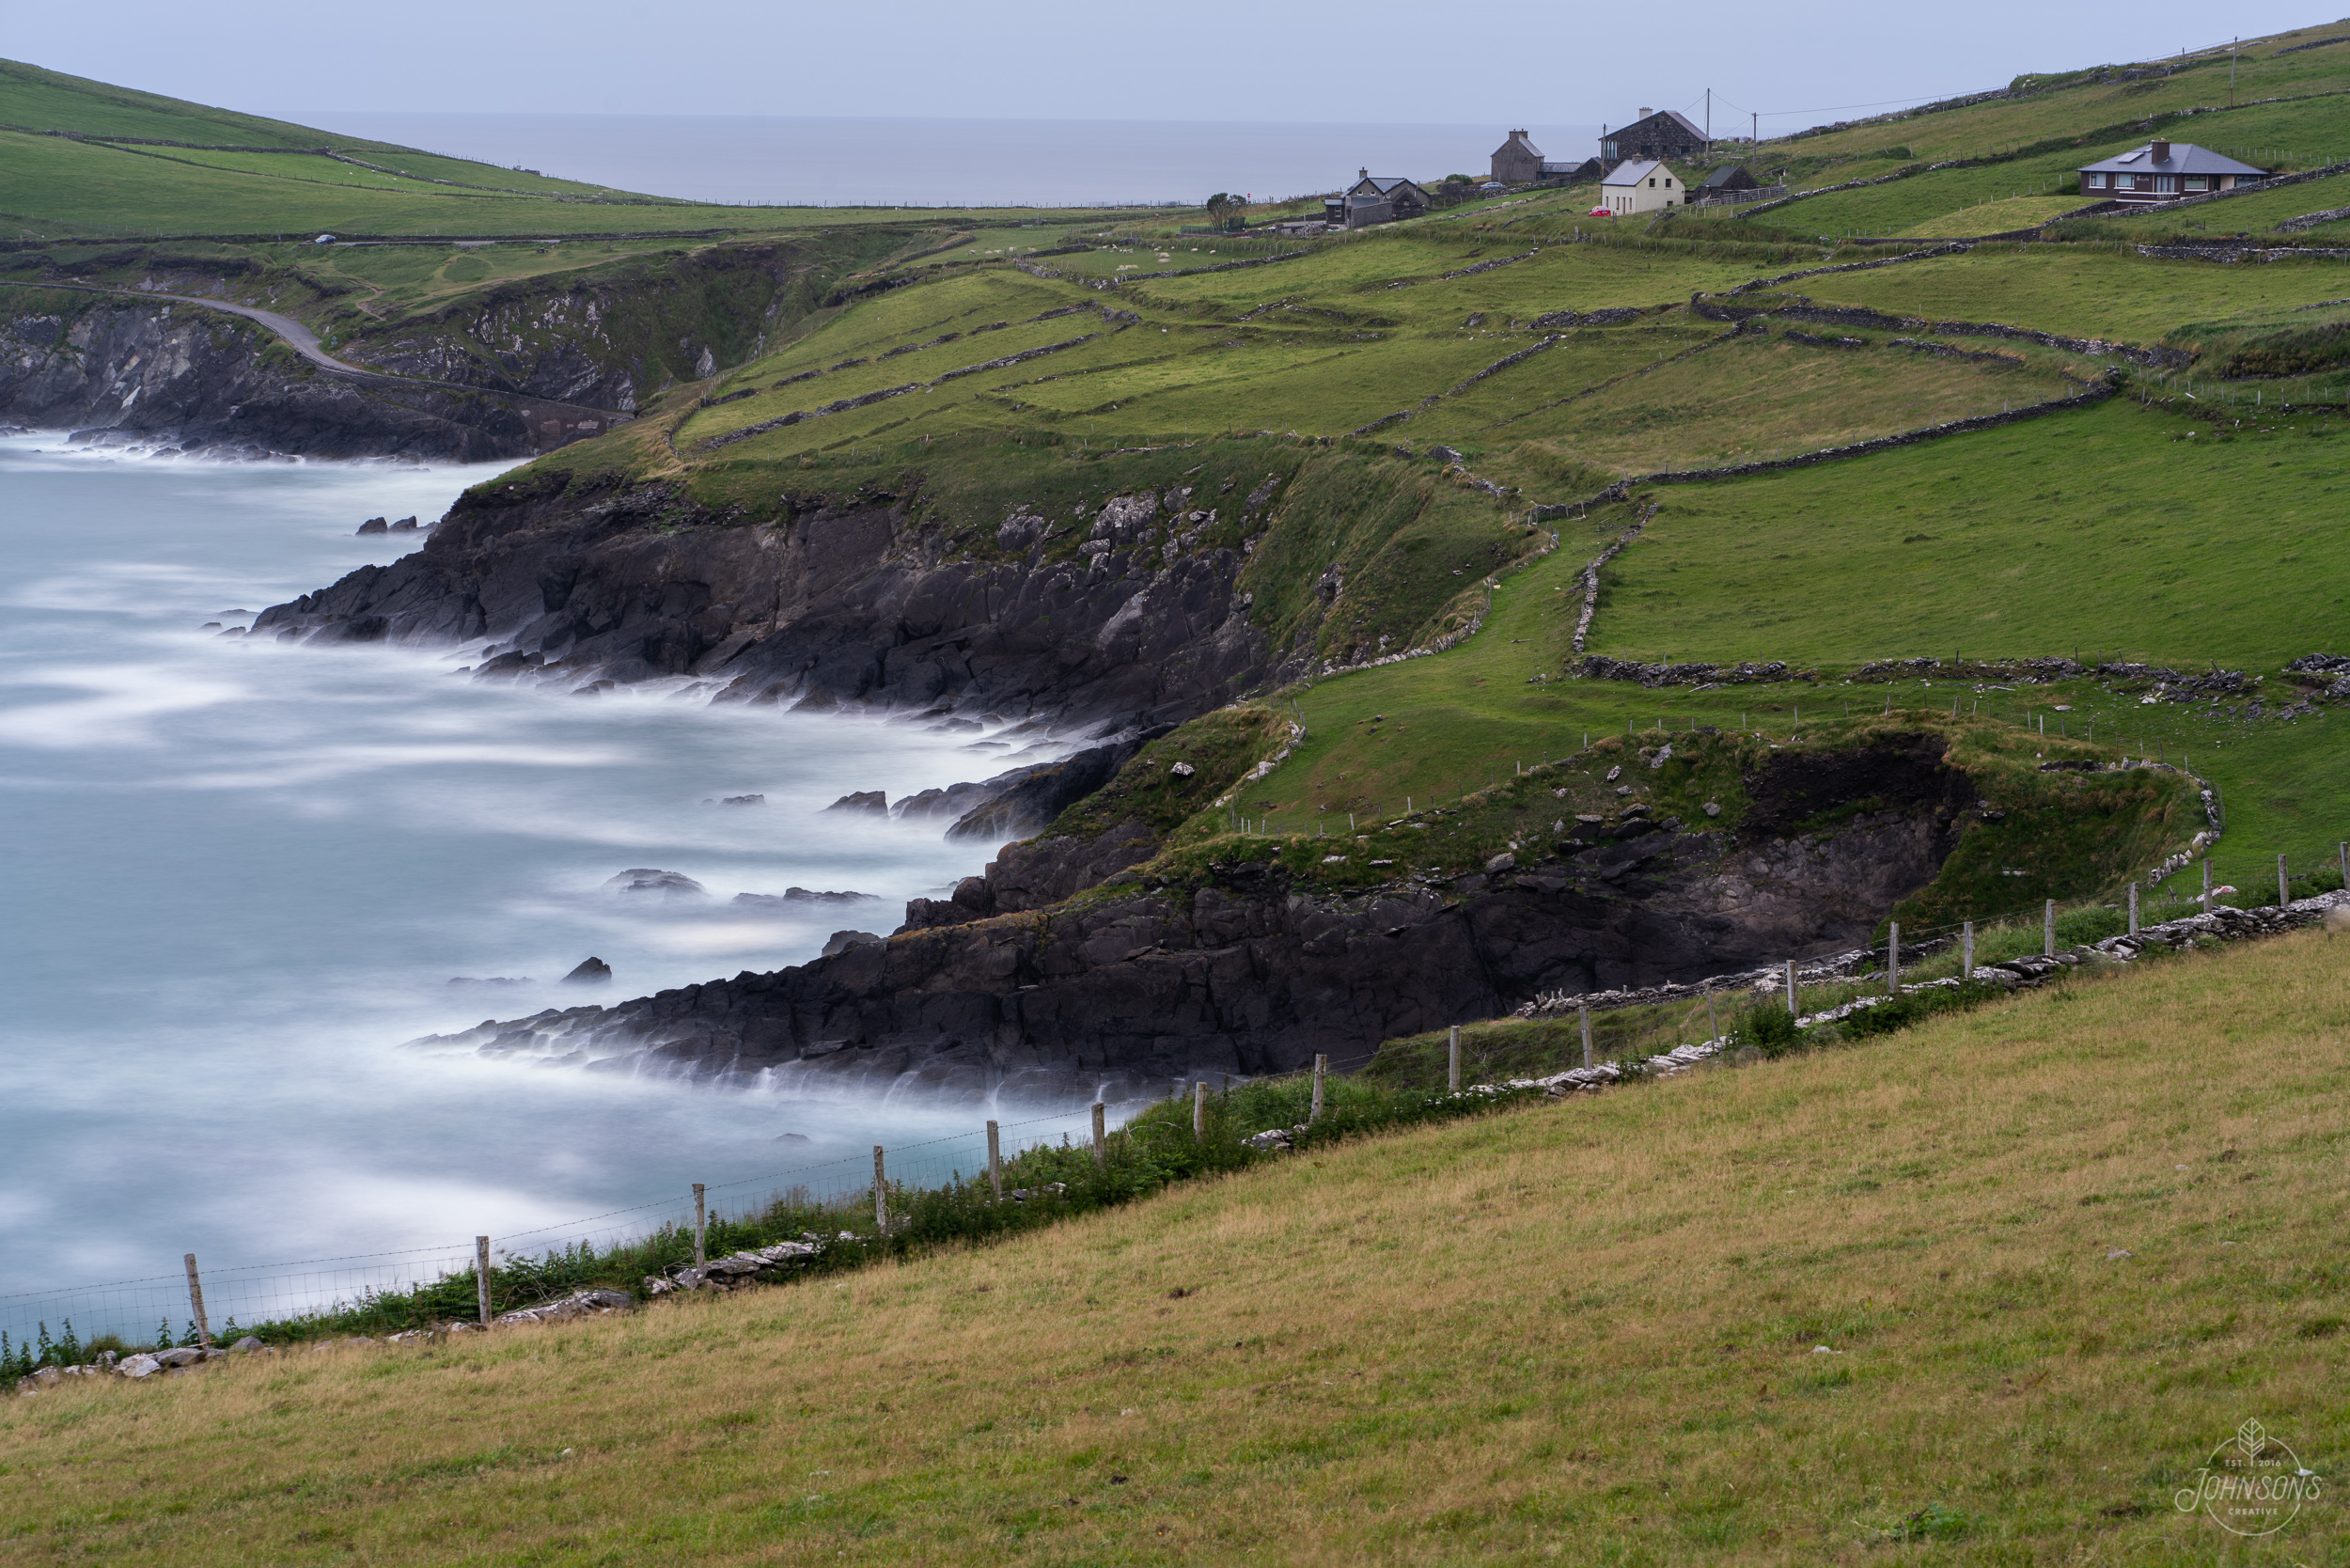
x,y
298,337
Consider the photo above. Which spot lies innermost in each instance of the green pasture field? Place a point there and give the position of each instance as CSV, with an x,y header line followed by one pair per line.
x,y
35,98
2079,290
314,169
1982,545
1893,208
1736,400
2004,123
2000,217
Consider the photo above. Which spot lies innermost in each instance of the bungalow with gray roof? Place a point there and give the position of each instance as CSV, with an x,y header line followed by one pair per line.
x,y
2165,171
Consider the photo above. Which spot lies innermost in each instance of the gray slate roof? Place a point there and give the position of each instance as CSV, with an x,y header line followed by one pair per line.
x,y
1674,114
1526,142
1631,171
2186,158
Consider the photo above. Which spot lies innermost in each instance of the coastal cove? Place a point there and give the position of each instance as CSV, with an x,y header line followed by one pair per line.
x,y
245,872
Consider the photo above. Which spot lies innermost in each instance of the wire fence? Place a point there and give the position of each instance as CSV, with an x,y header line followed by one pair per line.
x,y
161,1308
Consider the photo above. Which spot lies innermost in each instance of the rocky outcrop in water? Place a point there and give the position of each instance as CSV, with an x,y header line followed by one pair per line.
x,y
1123,992
837,602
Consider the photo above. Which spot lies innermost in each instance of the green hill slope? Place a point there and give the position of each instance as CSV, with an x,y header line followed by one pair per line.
x,y
1990,1291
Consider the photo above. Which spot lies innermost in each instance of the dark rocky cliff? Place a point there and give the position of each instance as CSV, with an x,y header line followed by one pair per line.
x,y
835,602
1120,994
182,375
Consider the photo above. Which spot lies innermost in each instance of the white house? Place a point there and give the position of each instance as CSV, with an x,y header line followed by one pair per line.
x,y
1640,185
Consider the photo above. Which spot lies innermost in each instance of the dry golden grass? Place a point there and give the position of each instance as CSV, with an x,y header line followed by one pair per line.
x,y
1582,1332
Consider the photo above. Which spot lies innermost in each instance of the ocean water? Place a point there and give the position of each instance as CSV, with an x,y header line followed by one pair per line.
x,y
241,872
948,162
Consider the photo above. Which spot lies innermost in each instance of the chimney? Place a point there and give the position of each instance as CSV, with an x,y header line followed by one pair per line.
x,y
1644,114
2161,151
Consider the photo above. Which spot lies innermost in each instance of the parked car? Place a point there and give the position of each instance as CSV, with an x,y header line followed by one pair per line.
x,y
1599,212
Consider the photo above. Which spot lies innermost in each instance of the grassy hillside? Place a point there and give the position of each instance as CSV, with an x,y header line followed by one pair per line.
x,y
87,160
1989,1290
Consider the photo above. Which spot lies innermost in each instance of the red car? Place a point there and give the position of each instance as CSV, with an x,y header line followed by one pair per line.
x,y
1599,212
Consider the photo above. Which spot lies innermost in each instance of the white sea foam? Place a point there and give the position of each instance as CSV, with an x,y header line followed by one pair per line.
x,y
242,872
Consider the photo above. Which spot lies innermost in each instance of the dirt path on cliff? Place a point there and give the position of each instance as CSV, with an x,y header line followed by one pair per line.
x,y
297,337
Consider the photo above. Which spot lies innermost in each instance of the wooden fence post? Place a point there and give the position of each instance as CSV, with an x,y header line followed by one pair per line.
x,y
701,1228
1586,1035
1200,1110
1791,989
1893,960
2343,848
995,1161
2133,906
481,1277
2047,929
2284,886
1712,1020
881,1194
1966,951
1321,1067
195,1307
1101,1137
1453,1072
2207,885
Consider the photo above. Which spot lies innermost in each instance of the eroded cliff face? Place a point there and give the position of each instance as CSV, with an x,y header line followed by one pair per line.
x,y
1119,994
838,601
180,375
610,338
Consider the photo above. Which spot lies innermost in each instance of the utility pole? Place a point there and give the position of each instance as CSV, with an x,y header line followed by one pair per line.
x,y
2231,52
1708,122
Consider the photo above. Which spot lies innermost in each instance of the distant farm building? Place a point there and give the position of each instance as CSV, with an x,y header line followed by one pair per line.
x,y
1519,162
1723,181
1641,185
1376,199
1659,136
2165,171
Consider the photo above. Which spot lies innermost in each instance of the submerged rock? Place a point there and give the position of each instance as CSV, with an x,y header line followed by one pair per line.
x,y
863,803
644,882
592,971
375,526
802,898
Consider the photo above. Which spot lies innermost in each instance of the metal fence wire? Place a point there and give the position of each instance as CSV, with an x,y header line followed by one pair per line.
x,y
150,1308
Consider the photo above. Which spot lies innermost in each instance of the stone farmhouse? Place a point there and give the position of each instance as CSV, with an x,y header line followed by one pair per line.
x,y
1519,162
1724,180
1641,185
1659,136
1374,199
2165,171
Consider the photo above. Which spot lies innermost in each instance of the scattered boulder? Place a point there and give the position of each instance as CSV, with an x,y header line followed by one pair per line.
x,y
644,882
185,1356
375,526
873,803
140,1366
592,971
843,940
251,1342
405,525
2338,920
1505,861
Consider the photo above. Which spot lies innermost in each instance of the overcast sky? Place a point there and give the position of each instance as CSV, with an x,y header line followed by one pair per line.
x,y
1360,60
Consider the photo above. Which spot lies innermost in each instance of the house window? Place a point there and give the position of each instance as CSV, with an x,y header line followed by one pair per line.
x,y
1651,182
2166,185
2098,181
2199,182
2127,182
